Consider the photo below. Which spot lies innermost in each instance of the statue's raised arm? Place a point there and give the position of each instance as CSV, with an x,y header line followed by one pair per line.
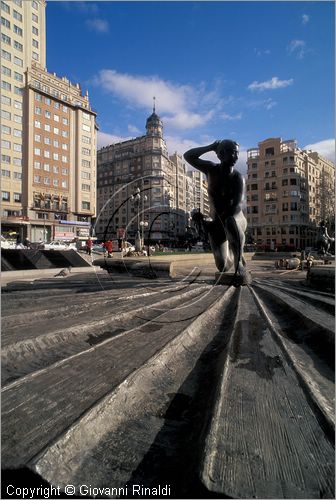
x,y
193,157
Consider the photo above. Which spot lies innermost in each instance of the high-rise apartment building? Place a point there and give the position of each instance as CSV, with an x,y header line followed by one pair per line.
x,y
166,191
47,157
286,194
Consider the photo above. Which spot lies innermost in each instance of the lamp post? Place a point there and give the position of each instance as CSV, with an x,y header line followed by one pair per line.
x,y
143,224
137,198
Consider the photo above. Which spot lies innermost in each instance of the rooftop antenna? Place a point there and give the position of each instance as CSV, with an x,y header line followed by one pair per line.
x,y
154,104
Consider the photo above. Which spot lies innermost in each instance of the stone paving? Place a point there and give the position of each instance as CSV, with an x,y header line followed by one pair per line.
x,y
216,391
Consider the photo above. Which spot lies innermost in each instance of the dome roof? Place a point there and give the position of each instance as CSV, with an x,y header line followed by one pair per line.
x,y
153,118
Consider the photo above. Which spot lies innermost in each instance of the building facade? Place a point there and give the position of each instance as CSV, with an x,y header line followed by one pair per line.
x,y
48,136
23,40
167,193
284,193
59,158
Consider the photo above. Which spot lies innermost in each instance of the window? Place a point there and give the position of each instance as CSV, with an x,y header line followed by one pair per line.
x,y
5,22
17,105
64,159
38,97
86,163
65,147
64,184
17,162
86,187
293,182
18,46
18,90
47,114
17,133
5,173
6,130
46,154
86,128
269,152
37,151
6,55
47,181
86,175
37,110
18,2
37,124
37,164
37,179
34,18
47,101
5,159
5,7
65,121
6,85
18,118
37,138
285,207
6,39
293,205
65,109
86,139
6,100
55,156
17,30
18,76
55,169
57,105
47,140
5,144
86,151
5,71
64,133
56,144
64,171
35,56
46,167
47,128
5,195
35,5
85,205
56,182
17,197
34,30
56,118
5,114
35,43
56,130
18,175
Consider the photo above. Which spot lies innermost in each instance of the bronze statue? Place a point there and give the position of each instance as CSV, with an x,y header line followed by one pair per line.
x,y
323,239
227,226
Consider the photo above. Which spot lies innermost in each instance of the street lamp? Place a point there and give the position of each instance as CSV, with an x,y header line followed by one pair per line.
x,y
143,224
137,198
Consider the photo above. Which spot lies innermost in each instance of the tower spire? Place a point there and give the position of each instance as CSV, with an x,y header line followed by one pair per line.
x,y
154,104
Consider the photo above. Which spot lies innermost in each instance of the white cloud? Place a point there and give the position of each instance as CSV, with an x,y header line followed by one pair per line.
x,y
273,83
99,25
260,53
134,130
227,117
297,48
305,19
325,148
104,139
181,106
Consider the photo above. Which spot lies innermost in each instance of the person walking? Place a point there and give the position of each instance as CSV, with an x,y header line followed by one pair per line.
x,y
89,245
109,247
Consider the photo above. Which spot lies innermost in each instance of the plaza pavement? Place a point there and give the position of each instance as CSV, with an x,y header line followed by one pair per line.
x,y
116,380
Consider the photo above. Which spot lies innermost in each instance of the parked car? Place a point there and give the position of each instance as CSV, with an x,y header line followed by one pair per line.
x,y
59,245
98,248
6,243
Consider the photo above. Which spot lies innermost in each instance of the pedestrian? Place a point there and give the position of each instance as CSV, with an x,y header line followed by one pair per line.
x,y
26,243
109,247
89,244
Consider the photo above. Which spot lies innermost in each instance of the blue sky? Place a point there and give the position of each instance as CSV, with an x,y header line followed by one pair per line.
x,y
241,70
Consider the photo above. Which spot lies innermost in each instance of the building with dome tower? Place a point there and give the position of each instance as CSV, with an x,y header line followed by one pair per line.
x,y
141,188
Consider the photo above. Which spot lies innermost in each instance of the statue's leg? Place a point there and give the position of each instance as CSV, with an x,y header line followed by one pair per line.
x,y
219,245
235,229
